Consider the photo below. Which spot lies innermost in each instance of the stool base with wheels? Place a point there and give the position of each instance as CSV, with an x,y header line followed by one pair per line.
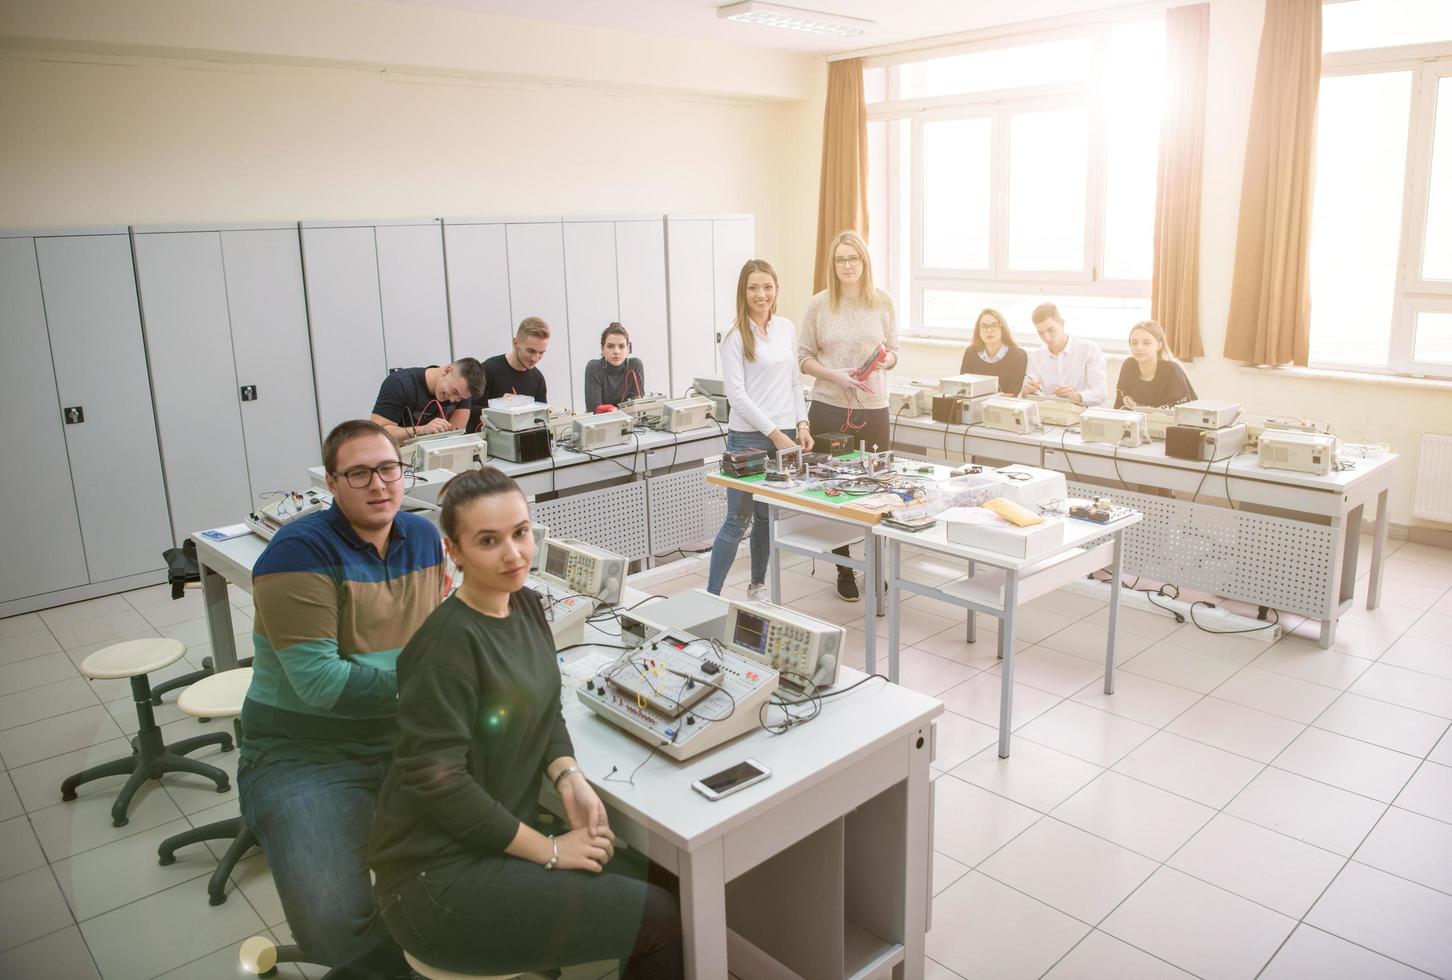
x,y
150,757
439,973
215,696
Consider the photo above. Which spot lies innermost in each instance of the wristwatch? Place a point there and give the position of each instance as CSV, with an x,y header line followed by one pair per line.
x,y
555,858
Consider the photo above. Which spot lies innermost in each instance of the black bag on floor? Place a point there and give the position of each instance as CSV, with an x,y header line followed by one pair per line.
x,y
181,566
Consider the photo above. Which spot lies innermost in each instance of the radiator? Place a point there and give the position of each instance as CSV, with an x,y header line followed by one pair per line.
x,y
1433,499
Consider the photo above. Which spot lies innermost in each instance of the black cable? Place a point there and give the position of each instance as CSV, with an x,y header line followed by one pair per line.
x,y
1254,629
610,776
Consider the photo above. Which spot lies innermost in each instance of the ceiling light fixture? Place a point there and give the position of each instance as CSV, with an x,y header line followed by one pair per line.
x,y
795,19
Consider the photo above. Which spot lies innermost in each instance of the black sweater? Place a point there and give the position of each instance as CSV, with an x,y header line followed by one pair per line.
x,y
606,384
1009,369
1169,387
479,719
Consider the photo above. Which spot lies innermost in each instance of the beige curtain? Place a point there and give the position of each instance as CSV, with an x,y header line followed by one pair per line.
x,y
1270,301
842,203
1175,294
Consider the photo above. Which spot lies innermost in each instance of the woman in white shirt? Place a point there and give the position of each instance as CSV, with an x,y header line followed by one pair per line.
x,y
759,356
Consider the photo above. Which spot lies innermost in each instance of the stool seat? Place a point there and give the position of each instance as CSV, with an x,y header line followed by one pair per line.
x,y
132,658
218,695
437,973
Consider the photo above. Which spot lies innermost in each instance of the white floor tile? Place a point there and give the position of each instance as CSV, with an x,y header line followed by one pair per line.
x,y
24,646
1408,594
253,879
39,703
985,929
111,626
1190,769
928,674
1416,653
1135,815
1067,603
1394,917
1408,688
946,871
1308,662
1068,869
914,626
1198,927
19,850
1140,699
1088,641
1443,752
1432,626
1307,810
1193,670
31,906
56,736
1062,674
1429,553
1352,639
141,940
9,800
1411,846
1099,956
1142,622
188,607
60,954
111,875
960,738
1230,646
1387,617
1271,869
971,823
224,963
77,612
1360,767
1311,954
1380,723
978,698
952,645
1235,728
1086,733
1429,792
1033,774
22,624
1397,572
66,829
1277,694
36,672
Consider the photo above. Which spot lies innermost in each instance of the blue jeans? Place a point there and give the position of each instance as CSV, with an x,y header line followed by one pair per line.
x,y
740,507
313,820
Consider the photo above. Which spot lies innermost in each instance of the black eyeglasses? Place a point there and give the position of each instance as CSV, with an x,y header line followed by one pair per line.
x,y
360,477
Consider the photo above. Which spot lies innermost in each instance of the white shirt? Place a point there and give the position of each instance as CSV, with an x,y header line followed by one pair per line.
x,y
766,393
1080,365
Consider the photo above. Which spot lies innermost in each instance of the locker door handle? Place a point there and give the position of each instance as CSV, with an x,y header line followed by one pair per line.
x,y
74,415
249,393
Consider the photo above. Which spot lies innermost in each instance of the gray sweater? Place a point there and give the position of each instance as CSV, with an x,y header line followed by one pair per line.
x,y
606,384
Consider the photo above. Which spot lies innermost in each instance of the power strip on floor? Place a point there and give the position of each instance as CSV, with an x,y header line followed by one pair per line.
x,y
1213,619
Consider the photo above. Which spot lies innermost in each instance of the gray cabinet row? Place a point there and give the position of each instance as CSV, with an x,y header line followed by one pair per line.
x,y
161,381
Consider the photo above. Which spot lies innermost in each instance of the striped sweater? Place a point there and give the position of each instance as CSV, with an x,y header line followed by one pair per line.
x,y
331,618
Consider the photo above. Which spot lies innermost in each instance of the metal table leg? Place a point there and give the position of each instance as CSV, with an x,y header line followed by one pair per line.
x,y
219,619
894,606
774,567
1005,651
1116,586
1378,551
872,583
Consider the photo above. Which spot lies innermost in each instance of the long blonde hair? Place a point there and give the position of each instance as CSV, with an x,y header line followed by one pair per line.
x,y
834,286
743,315
1156,332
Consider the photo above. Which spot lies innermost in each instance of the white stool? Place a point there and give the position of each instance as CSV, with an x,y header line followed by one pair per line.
x,y
439,973
215,696
150,758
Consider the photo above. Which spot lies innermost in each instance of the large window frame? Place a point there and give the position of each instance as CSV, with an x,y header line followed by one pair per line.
x,y
1000,106
1413,294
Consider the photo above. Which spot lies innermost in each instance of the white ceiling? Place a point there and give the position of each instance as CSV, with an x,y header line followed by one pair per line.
x,y
897,20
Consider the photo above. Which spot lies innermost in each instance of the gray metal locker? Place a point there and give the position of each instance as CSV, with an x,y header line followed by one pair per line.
x,y
692,300
537,288
477,259
340,266
273,357
414,299
592,293
193,378
89,287
641,267
41,540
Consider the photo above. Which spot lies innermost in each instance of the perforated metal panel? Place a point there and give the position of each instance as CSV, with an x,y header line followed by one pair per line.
x,y
1271,561
684,508
613,518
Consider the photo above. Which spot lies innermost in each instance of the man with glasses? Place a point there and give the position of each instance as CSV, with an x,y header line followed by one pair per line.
x,y
338,593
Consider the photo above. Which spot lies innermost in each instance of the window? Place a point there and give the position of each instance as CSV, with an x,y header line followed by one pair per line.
x,y
1012,172
1381,222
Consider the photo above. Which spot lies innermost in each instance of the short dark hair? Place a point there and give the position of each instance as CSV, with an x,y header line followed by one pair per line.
x,y
1045,310
467,487
614,328
472,372
344,433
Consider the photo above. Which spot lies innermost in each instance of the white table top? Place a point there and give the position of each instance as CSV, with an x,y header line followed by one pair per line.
x,y
1077,534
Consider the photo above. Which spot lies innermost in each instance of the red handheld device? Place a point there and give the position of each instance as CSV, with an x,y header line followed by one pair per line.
x,y
871,364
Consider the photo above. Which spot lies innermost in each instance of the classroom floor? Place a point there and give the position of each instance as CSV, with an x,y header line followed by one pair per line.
x,y
1232,805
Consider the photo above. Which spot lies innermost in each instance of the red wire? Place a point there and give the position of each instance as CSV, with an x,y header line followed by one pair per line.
x,y
639,391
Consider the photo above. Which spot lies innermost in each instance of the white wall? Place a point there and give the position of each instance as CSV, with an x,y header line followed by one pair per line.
x,y
151,111
1358,410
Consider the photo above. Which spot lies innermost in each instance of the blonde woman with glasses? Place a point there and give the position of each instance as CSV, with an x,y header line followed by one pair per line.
x,y
847,342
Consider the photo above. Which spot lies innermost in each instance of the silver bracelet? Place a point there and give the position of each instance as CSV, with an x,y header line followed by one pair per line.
x,y
555,859
563,773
